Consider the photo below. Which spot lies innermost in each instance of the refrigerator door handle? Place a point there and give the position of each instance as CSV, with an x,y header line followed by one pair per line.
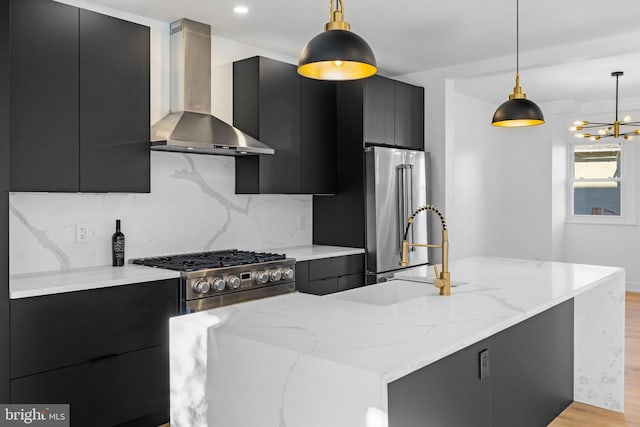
x,y
405,201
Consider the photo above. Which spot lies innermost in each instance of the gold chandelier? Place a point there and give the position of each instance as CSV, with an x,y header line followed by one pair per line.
x,y
607,130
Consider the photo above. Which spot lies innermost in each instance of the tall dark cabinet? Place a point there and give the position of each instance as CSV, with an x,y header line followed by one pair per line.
x,y
44,96
114,105
293,115
79,100
4,200
374,111
378,111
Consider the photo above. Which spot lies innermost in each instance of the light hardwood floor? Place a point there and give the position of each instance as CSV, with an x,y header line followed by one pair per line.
x,y
578,414
581,415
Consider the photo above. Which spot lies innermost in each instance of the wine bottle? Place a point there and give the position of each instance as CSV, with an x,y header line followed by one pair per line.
x,y
117,246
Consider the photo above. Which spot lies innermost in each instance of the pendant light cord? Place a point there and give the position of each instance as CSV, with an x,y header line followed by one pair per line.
x,y
517,36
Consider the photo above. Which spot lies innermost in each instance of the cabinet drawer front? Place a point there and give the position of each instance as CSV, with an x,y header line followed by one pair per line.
x,y
337,266
132,386
350,281
322,287
54,331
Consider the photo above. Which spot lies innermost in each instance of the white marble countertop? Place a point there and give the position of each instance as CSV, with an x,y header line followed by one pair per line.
x,y
309,252
376,334
55,282
79,279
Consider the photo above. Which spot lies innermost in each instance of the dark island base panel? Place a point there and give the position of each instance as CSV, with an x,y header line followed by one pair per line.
x,y
529,380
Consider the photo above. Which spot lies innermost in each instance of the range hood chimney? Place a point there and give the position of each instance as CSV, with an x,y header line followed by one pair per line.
x,y
190,127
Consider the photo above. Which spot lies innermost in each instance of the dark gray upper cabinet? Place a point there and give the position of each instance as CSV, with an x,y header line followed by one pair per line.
x,y
379,110
44,96
409,115
393,113
79,100
4,200
114,105
296,117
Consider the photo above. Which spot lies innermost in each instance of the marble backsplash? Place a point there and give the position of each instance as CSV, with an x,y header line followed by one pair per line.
x,y
192,207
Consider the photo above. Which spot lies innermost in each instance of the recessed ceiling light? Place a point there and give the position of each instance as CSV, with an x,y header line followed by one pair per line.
x,y
241,10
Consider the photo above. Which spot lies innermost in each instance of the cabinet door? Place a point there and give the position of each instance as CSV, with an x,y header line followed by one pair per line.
x,y
132,387
44,96
5,91
81,326
279,124
379,116
114,101
317,137
266,105
409,116
350,281
328,285
448,392
5,355
336,266
532,369
302,276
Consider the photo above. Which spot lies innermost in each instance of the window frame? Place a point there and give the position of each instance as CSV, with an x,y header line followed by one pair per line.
x,y
628,201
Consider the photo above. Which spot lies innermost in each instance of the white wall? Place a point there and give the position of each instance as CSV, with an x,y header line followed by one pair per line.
x,y
523,180
610,244
191,207
466,210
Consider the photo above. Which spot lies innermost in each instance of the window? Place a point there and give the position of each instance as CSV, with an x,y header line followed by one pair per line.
x,y
600,185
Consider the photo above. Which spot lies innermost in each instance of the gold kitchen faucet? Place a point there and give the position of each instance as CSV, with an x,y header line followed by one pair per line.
x,y
443,279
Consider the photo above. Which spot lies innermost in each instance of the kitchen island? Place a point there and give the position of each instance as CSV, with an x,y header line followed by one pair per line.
x,y
341,360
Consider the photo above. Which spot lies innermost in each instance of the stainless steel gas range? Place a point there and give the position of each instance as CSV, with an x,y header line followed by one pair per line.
x,y
215,279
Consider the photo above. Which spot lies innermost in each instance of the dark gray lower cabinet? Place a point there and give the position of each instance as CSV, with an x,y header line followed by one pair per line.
x,y
446,393
528,383
104,351
5,352
328,275
130,388
532,369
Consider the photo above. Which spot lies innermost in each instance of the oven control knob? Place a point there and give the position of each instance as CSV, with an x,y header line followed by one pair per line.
x,y
233,282
288,274
201,286
262,277
218,284
275,275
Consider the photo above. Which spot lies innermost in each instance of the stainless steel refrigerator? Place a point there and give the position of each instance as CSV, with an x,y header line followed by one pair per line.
x,y
396,184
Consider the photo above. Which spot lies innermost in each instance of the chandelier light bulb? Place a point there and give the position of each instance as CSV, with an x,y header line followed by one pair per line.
x,y
580,123
626,119
628,137
573,129
602,131
579,135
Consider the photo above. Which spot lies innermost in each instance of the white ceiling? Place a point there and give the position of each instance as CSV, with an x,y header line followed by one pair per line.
x,y
413,35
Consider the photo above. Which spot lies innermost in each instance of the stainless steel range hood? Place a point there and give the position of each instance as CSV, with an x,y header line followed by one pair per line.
x,y
190,127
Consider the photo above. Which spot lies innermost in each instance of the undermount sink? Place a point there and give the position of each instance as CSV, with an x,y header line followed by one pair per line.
x,y
388,293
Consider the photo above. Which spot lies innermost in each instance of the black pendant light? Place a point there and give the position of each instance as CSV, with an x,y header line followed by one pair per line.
x,y
337,53
518,111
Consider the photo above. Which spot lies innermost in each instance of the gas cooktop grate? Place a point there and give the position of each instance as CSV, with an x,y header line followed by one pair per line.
x,y
205,260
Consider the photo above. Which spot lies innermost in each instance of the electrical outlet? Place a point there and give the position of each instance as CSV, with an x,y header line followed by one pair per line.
x,y
82,233
302,223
